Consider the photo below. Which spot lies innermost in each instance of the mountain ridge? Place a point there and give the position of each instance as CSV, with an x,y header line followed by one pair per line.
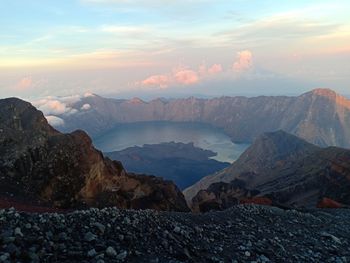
x,y
308,116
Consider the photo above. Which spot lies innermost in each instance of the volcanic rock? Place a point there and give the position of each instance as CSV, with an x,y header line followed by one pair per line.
x,y
285,169
41,165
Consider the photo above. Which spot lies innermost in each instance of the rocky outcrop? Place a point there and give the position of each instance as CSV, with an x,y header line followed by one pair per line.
x,y
287,170
220,196
40,164
321,116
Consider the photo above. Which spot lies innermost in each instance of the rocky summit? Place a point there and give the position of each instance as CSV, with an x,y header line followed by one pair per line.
x,y
39,165
283,168
248,233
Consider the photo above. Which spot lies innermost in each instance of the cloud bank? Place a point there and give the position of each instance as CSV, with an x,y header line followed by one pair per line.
x,y
185,76
55,107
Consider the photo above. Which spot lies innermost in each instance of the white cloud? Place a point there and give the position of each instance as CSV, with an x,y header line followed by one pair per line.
x,y
54,120
70,99
86,107
89,94
57,105
51,106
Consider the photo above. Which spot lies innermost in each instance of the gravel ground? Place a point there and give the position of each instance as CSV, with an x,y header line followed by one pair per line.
x,y
246,233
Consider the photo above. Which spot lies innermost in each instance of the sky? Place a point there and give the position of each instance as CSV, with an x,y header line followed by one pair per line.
x,y
168,48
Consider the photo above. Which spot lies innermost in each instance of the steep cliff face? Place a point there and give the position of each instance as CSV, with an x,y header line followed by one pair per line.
x,y
288,170
321,116
43,165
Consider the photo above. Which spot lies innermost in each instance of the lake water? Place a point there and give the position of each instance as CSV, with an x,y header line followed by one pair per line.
x,y
202,135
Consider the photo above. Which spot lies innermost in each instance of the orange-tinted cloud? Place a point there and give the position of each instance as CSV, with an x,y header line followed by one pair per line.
x,y
244,61
186,76
181,76
213,69
216,68
157,80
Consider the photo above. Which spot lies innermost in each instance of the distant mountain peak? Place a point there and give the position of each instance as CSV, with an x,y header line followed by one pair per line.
x,y
136,100
279,142
324,92
280,136
332,96
89,94
278,133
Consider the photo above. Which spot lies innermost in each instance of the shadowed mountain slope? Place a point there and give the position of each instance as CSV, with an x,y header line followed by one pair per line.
x,y
182,163
42,165
288,170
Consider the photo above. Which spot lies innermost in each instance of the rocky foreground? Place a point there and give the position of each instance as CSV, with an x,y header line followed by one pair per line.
x,y
247,233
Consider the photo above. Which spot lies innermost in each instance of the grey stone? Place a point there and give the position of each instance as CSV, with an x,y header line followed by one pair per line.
x,y
110,251
4,257
334,238
18,232
177,229
34,257
89,237
62,236
91,253
263,258
100,227
122,255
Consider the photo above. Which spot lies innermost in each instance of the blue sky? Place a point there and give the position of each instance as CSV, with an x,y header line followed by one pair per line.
x,y
168,47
